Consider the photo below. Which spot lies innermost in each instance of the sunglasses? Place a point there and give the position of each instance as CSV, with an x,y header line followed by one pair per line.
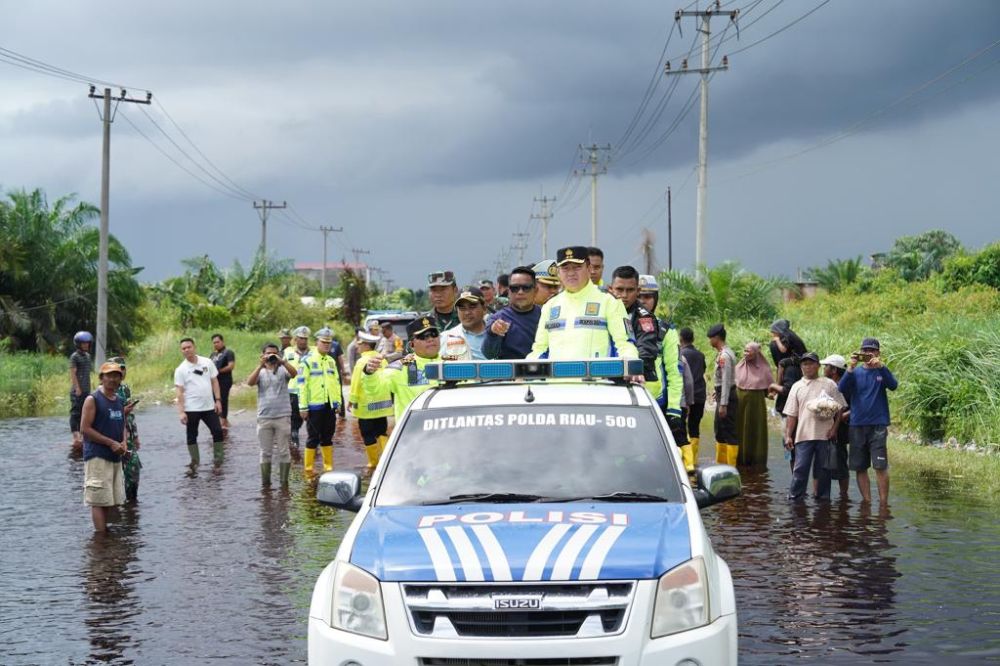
x,y
520,287
427,335
441,276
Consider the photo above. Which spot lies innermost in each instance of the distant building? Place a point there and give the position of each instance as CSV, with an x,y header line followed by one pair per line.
x,y
314,270
801,289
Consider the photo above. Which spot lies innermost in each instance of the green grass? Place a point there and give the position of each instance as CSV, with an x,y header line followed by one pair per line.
x,y
37,385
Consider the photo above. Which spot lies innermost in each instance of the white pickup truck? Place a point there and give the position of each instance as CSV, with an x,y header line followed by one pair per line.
x,y
527,513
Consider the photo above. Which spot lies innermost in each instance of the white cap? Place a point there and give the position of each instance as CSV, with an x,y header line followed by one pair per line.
x,y
836,360
368,337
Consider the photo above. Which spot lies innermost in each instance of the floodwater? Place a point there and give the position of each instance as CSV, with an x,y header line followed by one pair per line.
x,y
213,570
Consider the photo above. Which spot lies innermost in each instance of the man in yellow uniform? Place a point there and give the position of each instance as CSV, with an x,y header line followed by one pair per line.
x,y
293,355
582,321
670,382
371,408
405,379
319,400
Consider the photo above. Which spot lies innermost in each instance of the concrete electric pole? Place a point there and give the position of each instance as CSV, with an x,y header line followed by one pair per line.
x,y
322,280
107,117
520,246
357,260
705,70
596,165
545,216
264,207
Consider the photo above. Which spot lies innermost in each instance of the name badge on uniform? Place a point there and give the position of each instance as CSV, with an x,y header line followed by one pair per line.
x,y
554,312
592,309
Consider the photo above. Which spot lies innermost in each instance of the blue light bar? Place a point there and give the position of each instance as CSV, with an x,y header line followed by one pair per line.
x,y
567,369
607,368
465,371
496,371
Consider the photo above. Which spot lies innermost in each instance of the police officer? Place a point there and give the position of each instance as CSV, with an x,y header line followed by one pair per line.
x,y
625,287
547,282
727,445
582,321
371,408
405,379
671,379
293,355
319,399
284,339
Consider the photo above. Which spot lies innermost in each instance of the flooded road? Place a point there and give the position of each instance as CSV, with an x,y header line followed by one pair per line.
x,y
213,570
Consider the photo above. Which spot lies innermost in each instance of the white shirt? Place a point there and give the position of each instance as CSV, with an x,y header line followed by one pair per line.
x,y
463,344
196,380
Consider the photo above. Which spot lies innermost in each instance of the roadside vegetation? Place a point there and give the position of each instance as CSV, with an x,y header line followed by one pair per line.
x,y
934,305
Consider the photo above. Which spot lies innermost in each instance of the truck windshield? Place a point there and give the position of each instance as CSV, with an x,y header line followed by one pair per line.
x,y
530,454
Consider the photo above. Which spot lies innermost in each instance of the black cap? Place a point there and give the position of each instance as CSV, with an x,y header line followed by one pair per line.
x,y
717,330
471,294
870,343
575,254
809,356
419,325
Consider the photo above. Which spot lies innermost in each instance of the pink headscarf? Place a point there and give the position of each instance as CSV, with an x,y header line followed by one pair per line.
x,y
753,376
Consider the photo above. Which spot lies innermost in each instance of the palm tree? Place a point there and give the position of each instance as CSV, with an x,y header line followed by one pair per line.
x,y
837,274
48,273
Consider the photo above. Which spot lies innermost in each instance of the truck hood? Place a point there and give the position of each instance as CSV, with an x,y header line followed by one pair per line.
x,y
522,542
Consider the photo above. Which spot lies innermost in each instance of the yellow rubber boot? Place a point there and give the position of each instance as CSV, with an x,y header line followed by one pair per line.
x,y
381,445
687,455
309,461
327,452
694,450
732,454
372,450
721,453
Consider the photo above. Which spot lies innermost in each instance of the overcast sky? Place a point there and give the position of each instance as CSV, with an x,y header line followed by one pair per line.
x,y
425,129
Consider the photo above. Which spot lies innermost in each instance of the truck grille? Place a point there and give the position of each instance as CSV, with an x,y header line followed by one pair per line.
x,y
566,661
531,610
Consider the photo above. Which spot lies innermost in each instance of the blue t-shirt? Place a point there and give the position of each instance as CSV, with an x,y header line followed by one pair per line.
x,y
866,390
109,420
521,335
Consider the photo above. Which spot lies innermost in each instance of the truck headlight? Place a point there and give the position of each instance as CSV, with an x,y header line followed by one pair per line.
x,y
681,599
357,602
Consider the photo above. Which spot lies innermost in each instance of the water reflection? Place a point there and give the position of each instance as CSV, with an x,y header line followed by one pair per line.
x,y
214,570
109,577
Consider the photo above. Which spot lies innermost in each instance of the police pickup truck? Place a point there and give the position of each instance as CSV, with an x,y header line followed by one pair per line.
x,y
527,513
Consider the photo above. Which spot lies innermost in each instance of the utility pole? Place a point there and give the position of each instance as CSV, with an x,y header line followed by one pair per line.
x,y
357,260
520,246
595,166
322,278
107,117
670,232
648,243
264,207
545,216
705,70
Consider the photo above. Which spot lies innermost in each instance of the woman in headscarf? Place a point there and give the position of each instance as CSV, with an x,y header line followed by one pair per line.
x,y
753,379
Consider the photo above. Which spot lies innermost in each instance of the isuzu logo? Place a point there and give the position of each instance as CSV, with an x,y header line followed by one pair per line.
x,y
517,603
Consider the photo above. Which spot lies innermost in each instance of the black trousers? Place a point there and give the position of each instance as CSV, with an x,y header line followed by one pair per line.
x,y
725,426
322,426
225,385
695,412
210,418
372,429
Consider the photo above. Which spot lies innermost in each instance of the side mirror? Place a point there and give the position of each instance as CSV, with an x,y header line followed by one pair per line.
x,y
717,483
341,490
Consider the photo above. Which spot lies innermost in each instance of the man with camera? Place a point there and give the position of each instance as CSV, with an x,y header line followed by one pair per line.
x,y
198,399
271,377
865,386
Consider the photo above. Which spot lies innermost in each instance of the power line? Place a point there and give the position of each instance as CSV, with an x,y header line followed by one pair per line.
x,y
236,191
175,162
42,67
782,29
234,184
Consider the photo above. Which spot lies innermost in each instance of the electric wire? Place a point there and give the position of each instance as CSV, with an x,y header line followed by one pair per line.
x,y
235,192
176,163
43,67
781,30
